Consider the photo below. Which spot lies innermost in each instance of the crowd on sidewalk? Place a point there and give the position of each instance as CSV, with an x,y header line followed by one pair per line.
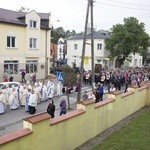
x,y
113,80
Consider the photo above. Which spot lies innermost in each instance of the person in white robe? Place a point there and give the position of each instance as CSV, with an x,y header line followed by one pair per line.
x,y
44,92
6,93
29,85
59,89
50,89
32,102
2,102
27,100
40,86
23,95
19,90
37,93
13,99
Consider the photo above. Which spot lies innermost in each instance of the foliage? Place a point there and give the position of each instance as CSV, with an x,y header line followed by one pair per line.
x,y
70,75
61,33
134,136
70,79
57,33
127,38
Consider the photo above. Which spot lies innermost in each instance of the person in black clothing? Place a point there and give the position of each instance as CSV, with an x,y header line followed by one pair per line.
x,y
23,76
97,96
11,79
126,85
51,109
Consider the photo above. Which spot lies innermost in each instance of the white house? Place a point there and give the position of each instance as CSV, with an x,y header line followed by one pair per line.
x,y
74,50
101,55
61,49
135,61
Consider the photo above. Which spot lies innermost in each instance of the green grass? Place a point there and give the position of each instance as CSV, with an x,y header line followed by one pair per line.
x,y
134,136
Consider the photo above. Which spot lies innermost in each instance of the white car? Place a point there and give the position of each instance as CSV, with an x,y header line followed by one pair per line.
x,y
3,85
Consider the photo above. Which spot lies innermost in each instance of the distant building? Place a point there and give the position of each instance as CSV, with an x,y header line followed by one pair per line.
x,y
62,50
74,50
25,43
53,54
135,61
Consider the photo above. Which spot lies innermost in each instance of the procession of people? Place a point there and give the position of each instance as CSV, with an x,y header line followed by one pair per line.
x,y
30,94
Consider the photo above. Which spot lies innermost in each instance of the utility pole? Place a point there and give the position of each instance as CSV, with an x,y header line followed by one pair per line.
x,y
92,47
83,53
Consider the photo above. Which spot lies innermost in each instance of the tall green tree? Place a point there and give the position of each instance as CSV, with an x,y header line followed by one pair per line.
x,y
57,33
70,78
70,33
127,38
61,33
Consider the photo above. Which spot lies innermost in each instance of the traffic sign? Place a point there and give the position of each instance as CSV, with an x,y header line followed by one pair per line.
x,y
60,76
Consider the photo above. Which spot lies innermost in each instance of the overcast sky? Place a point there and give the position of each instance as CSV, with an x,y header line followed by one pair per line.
x,y
71,13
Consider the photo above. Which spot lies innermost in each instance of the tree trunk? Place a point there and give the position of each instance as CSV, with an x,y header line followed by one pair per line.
x,y
68,98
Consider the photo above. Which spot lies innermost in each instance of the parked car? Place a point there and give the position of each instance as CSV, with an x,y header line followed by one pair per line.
x,y
3,85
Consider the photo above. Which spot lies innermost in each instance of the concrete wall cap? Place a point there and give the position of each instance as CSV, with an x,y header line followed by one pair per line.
x,y
15,135
37,117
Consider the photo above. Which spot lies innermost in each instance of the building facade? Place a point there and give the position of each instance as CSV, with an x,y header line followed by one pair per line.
x,y
74,50
25,43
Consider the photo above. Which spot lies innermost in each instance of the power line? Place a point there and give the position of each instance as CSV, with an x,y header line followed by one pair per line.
x,y
126,3
119,6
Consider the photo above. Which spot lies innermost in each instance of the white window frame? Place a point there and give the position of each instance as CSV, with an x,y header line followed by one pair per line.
x,y
140,62
11,66
10,40
31,66
33,43
33,24
99,46
75,46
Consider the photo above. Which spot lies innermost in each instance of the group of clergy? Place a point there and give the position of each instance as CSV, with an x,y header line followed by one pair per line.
x,y
27,95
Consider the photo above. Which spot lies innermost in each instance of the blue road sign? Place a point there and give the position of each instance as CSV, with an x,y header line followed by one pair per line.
x,y
60,76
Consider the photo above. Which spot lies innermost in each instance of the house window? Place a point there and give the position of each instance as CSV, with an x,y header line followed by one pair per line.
x,y
33,24
11,67
11,41
130,57
135,62
75,46
99,46
60,50
31,66
99,61
33,43
140,62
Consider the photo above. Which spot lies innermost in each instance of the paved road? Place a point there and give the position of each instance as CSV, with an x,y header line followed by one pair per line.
x,y
12,119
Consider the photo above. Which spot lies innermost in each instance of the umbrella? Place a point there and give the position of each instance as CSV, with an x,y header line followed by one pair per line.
x,y
22,70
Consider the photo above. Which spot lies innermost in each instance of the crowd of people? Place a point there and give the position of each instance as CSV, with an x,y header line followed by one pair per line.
x,y
27,95
114,80
30,94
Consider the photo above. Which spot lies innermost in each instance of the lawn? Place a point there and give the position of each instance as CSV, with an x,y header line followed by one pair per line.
x,y
133,136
